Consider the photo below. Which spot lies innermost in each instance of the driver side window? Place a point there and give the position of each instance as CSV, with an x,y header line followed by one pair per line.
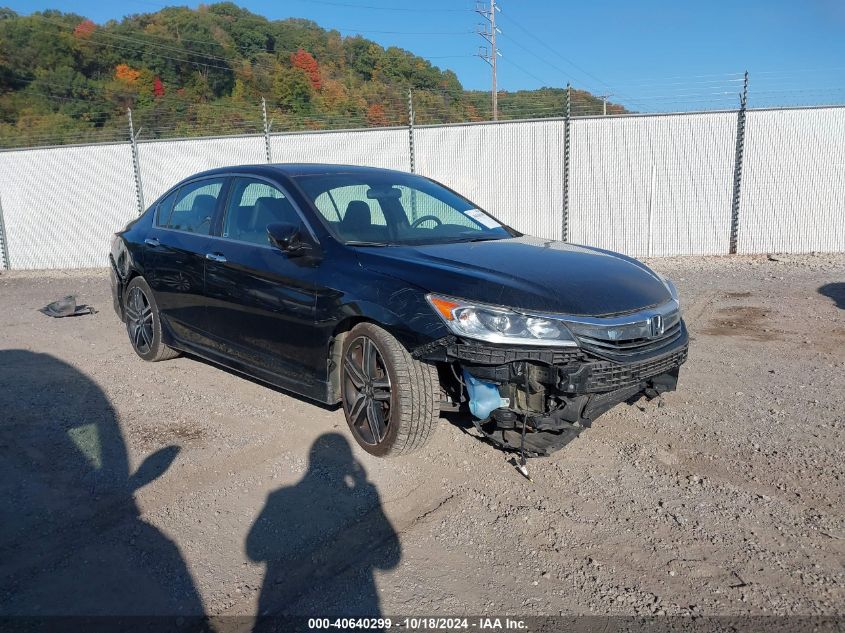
x,y
253,205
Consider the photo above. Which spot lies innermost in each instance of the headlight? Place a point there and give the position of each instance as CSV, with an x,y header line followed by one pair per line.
x,y
500,325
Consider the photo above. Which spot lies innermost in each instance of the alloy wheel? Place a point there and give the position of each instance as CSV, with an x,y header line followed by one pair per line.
x,y
366,391
139,316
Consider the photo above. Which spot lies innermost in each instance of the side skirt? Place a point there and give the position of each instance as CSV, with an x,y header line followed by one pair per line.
x,y
308,387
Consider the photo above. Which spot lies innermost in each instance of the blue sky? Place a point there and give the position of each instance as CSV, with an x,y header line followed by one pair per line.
x,y
657,54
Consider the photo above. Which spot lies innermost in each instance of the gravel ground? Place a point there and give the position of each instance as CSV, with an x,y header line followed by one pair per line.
x,y
724,498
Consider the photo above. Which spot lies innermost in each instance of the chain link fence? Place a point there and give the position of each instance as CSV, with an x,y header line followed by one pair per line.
x,y
644,185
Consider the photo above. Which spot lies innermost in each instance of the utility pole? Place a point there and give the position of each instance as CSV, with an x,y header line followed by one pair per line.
x,y
267,149
604,99
491,56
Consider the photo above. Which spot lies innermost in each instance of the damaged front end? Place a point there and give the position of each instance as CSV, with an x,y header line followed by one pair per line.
x,y
537,398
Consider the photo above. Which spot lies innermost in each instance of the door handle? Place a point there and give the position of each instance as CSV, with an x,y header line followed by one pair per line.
x,y
151,241
216,257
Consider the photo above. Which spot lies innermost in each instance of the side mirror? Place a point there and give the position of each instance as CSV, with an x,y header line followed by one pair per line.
x,y
288,238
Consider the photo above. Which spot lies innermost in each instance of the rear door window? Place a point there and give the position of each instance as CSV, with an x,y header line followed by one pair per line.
x,y
193,207
164,209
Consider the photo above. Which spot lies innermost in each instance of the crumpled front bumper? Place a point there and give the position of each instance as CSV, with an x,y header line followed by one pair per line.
x,y
554,392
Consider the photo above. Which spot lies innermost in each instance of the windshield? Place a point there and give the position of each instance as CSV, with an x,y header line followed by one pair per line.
x,y
382,209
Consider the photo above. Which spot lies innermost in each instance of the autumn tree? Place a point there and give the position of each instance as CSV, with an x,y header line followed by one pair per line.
x,y
84,29
304,60
127,74
376,115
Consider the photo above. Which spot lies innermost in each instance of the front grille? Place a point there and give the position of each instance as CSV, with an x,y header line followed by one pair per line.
x,y
605,376
489,355
632,346
629,336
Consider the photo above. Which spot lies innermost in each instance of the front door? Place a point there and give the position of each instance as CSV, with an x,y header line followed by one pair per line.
x,y
261,303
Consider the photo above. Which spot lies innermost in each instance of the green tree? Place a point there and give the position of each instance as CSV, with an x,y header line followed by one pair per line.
x,y
292,90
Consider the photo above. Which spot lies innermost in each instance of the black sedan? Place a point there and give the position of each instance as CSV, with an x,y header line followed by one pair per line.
x,y
397,297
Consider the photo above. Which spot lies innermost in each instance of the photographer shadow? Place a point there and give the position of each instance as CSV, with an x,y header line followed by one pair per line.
x,y
72,541
835,292
321,540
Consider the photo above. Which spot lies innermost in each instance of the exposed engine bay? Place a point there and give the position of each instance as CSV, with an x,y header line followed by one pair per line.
x,y
536,401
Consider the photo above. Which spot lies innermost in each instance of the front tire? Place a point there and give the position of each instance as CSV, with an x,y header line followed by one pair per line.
x,y
143,323
391,400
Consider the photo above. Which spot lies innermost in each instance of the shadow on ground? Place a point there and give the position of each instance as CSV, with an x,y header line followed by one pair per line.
x,y
71,538
835,291
322,539
72,541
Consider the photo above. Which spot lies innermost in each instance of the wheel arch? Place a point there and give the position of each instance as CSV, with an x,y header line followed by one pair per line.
x,y
410,331
335,351
122,280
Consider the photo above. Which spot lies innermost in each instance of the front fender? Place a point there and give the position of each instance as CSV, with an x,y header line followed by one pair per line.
x,y
401,310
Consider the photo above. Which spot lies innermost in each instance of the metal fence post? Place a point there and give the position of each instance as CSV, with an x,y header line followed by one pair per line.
x,y
411,150
411,130
740,150
4,244
267,124
564,227
136,164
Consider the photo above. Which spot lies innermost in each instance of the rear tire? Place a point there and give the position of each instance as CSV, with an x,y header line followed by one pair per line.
x,y
391,400
143,323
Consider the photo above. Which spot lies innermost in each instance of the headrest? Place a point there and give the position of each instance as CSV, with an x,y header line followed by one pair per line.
x,y
357,215
268,210
204,205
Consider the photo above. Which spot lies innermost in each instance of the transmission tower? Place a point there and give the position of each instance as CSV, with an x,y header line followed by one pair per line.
x,y
488,33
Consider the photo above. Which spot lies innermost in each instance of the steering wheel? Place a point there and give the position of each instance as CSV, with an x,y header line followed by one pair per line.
x,y
425,218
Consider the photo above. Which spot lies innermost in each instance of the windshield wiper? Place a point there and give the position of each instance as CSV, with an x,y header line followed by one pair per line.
x,y
464,240
487,238
363,243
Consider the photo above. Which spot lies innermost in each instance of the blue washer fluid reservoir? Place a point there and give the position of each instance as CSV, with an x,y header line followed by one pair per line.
x,y
483,396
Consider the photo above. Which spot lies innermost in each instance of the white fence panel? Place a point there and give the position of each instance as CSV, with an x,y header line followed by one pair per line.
x,y
164,163
658,185
670,174
61,205
793,183
513,170
373,148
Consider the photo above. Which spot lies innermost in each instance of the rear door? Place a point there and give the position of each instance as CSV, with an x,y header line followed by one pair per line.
x,y
261,303
175,255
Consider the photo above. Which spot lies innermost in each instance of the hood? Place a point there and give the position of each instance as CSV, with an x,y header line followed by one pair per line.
x,y
524,272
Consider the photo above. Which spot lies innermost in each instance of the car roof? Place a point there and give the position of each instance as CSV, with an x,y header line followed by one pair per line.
x,y
292,170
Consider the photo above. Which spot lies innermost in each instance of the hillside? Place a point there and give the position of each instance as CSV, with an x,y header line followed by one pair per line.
x,y
184,72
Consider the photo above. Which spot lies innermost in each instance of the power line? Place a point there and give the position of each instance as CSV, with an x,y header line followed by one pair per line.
x,y
557,54
382,8
524,70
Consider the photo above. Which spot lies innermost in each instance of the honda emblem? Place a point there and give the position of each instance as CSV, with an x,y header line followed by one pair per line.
x,y
656,325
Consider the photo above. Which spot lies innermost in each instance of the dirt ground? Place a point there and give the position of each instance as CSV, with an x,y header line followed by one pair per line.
x,y
179,487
